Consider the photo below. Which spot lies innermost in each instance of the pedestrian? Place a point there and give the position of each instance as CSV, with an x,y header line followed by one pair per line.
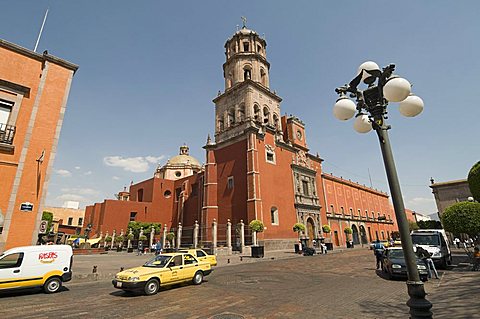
x,y
427,259
392,242
158,248
456,241
324,248
378,250
139,248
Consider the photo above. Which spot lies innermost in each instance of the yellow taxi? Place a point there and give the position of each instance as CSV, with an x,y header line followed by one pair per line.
x,y
163,270
201,255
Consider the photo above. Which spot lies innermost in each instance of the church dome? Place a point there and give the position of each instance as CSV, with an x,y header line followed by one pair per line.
x,y
183,159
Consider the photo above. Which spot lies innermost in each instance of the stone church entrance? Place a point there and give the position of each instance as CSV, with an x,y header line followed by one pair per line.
x,y
310,231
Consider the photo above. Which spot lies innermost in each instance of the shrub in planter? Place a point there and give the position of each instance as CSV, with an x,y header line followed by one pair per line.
x,y
119,241
326,229
257,227
142,238
299,227
108,240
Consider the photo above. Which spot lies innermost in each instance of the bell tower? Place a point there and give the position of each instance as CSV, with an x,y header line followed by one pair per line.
x,y
247,100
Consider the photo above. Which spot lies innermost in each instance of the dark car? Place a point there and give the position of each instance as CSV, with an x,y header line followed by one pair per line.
x,y
394,264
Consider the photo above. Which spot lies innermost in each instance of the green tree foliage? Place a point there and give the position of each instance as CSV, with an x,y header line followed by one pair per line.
x,y
256,226
347,230
326,229
429,224
299,227
119,239
412,225
108,239
170,236
462,218
130,237
136,226
48,216
474,181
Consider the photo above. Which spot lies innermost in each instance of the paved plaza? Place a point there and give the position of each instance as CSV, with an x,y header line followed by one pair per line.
x,y
281,285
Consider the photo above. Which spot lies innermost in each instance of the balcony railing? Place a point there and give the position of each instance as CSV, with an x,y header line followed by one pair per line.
x,y
7,132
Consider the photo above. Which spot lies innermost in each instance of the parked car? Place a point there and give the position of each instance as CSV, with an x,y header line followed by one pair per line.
x,y
394,264
163,270
46,266
201,255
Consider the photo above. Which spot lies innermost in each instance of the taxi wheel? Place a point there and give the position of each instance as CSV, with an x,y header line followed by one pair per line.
x,y
198,278
151,287
52,285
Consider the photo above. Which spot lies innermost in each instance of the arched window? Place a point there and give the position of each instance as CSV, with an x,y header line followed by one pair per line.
x,y
276,122
247,73
266,115
220,125
256,113
231,116
263,77
241,113
274,215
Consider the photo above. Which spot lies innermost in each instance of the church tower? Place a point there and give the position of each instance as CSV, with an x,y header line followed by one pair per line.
x,y
247,100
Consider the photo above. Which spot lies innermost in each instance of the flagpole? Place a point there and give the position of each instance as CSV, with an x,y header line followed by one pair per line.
x,y
41,30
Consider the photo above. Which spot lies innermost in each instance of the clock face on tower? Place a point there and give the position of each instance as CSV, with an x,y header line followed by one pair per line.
x,y
299,135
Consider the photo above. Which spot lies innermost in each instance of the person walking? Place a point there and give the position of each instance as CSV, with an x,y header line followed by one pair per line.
x,y
140,248
158,248
427,259
378,250
456,241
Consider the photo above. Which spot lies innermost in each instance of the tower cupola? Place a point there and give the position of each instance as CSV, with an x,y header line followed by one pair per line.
x,y
246,58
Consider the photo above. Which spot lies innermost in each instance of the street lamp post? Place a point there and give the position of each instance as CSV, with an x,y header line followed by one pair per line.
x,y
371,107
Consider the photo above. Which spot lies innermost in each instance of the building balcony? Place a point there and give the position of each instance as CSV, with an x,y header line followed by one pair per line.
x,y
7,132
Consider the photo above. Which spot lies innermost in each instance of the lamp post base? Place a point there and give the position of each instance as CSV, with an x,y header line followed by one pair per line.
x,y
419,305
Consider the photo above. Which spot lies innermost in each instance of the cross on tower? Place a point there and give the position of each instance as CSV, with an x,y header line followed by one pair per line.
x,y
244,21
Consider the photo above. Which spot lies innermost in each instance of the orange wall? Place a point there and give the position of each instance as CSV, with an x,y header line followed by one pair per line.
x,y
27,71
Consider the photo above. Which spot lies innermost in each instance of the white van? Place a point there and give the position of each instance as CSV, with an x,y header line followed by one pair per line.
x,y
46,266
435,241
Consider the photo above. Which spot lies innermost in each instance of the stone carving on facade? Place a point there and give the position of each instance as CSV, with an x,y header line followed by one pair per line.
x,y
302,159
269,148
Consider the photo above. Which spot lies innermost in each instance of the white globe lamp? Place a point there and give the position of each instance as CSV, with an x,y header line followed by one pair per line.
x,y
396,89
362,124
344,108
368,66
411,106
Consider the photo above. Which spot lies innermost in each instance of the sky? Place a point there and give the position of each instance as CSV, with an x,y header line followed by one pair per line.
x,y
150,69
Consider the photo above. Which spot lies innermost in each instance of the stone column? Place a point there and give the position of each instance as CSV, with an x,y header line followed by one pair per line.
x,y
164,237
129,243
242,235
113,239
214,235
105,243
179,235
229,236
195,235
152,233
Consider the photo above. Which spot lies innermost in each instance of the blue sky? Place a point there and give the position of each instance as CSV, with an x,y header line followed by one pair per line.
x,y
150,69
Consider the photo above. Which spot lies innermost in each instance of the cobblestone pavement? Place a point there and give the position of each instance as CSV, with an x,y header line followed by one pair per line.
x,y
342,285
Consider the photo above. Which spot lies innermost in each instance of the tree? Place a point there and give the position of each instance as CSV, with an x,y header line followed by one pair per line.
x,y
462,218
136,226
412,225
474,181
48,216
348,231
119,240
257,227
326,229
429,224
298,228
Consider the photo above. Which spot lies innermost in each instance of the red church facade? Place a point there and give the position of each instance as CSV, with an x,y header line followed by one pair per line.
x,y
258,166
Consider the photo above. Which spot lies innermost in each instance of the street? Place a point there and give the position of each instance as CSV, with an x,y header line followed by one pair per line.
x,y
342,285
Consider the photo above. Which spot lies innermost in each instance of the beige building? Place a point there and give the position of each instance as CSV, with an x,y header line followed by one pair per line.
x,y
448,193
67,216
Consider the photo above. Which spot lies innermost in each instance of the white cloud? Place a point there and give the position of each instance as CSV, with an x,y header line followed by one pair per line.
x,y
77,167
80,191
63,172
116,178
88,173
138,164
153,159
73,197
